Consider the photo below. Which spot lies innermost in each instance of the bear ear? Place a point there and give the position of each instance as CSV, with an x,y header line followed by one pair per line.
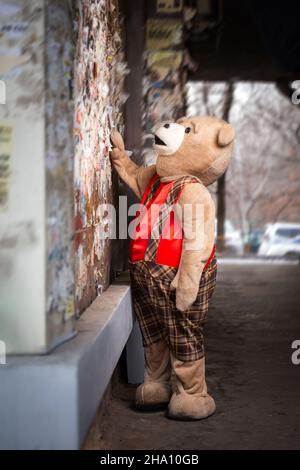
x,y
226,135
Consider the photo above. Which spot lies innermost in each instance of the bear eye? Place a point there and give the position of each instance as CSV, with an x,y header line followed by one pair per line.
x,y
188,130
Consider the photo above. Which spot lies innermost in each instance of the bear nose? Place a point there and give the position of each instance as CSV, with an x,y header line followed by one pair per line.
x,y
167,126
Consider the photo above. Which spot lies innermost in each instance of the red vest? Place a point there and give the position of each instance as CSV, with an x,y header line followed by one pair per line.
x,y
165,249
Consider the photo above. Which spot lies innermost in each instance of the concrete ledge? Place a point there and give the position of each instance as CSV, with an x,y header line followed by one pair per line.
x,y
49,402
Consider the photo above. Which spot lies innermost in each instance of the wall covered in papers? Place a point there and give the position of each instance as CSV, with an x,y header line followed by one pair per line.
x,y
99,74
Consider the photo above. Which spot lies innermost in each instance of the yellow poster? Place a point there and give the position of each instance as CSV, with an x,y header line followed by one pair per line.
x,y
70,308
6,133
170,60
163,33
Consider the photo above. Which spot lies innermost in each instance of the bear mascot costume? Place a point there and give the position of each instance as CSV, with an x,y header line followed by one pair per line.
x,y
173,274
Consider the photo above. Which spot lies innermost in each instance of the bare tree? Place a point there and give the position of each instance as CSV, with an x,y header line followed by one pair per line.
x,y
266,167
221,188
262,183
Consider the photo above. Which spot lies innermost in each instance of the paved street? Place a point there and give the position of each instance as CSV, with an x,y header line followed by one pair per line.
x,y
254,318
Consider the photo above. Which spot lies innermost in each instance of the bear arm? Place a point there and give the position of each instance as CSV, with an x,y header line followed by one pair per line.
x,y
127,170
136,177
198,240
144,176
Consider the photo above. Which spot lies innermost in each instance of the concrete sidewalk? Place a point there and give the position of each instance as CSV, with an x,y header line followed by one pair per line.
x,y
254,318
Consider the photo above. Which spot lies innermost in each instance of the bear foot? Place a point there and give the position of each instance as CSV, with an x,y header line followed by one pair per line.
x,y
187,407
152,396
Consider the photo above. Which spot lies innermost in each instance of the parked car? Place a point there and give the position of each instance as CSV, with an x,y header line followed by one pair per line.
x,y
288,248
281,239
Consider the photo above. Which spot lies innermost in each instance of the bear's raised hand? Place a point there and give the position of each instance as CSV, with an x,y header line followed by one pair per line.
x,y
118,153
136,177
117,140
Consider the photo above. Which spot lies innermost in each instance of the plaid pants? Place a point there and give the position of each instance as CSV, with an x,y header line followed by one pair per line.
x,y
155,308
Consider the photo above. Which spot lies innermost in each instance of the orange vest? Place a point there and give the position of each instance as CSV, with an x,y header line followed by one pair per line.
x,y
165,249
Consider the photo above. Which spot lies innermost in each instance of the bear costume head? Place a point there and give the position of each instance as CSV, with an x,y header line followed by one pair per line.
x,y
197,146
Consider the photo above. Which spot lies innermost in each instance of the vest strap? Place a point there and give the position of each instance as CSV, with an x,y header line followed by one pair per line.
x,y
159,237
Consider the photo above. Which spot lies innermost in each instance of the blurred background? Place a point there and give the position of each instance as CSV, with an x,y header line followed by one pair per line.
x,y
70,72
